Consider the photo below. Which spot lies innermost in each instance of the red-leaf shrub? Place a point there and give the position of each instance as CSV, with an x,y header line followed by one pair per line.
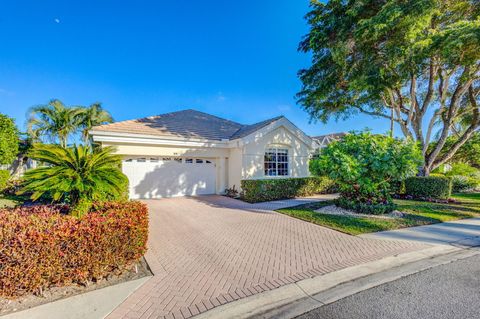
x,y
42,247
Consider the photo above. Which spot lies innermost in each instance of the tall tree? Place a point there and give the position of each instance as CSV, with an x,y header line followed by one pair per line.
x,y
414,61
55,121
92,116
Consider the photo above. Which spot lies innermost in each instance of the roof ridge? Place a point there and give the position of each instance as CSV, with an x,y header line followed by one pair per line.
x,y
270,120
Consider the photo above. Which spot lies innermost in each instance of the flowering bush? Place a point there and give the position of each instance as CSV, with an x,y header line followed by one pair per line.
x,y
364,166
42,247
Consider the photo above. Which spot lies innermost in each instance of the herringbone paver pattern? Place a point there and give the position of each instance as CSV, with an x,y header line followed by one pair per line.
x,y
212,250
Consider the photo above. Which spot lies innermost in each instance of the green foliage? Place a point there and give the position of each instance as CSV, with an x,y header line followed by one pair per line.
x,y
464,177
468,153
43,248
262,190
92,116
400,60
4,176
365,208
76,174
55,122
462,184
429,186
9,138
364,166
462,169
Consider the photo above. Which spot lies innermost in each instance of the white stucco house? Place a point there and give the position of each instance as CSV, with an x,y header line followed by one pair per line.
x,y
193,153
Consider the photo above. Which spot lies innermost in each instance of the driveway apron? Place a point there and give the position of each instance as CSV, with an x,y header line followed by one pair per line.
x,y
208,251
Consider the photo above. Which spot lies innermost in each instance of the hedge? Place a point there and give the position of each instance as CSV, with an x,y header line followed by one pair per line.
x,y
262,190
41,247
4,176
429,187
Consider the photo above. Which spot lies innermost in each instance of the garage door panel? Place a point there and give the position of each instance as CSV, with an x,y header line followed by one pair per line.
x,y
169,179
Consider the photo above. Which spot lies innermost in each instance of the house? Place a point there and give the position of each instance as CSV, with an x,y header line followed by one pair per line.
x,y
193,153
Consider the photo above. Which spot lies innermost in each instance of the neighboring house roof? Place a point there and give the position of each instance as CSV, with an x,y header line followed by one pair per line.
x,y
324,140
188,124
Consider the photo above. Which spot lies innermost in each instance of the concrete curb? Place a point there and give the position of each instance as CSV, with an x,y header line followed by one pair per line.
x,y
297,298
94,304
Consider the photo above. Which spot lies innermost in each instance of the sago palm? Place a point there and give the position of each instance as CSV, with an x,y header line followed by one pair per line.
x,y
54,121
92,116
76,173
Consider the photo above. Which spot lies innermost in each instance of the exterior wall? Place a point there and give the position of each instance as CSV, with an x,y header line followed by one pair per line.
x,y
160,150
298,152
235,167
244,161
218,155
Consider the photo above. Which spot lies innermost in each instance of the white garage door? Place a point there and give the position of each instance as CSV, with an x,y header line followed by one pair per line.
x,y
153,177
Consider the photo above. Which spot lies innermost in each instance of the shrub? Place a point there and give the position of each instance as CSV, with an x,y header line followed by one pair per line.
x,y
4,176
262,190
429,186
364,165
76,175
365,208
42,247
464,183
8,140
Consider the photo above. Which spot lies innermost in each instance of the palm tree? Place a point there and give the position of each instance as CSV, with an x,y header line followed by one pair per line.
x,y
54,121
92,116
77,174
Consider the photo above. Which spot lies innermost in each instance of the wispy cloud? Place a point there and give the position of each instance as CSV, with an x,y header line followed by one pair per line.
x,y
284,108
220,97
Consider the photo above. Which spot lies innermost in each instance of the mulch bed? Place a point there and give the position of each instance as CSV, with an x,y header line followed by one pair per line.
x,y
137,271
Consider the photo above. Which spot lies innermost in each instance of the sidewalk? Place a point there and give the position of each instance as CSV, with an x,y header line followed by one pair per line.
x,y
463,233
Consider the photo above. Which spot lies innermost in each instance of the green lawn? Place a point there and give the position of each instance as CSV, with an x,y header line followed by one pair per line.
x,y
420,213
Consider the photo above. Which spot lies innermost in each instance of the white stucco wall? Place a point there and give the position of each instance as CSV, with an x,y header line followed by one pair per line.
x,y
245,160
253,154
235,167
163,150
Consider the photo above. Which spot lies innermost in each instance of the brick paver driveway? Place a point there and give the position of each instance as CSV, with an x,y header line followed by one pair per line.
x,y
208,251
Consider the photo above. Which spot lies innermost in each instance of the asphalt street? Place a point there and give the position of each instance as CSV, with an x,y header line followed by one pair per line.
x,y
449,291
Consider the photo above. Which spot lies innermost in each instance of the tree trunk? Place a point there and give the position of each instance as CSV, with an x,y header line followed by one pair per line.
x,y
424,170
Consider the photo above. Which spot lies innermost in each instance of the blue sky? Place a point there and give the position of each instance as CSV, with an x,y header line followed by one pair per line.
x,y
234,59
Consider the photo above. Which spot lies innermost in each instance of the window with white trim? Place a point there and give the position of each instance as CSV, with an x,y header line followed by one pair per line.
x,y
276,162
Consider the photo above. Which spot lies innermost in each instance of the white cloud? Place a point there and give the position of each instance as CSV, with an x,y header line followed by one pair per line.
x,y
221,97
284,108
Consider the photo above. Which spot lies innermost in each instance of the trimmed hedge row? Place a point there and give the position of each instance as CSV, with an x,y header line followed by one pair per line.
x,y
262,190
41,247
429,186
4,176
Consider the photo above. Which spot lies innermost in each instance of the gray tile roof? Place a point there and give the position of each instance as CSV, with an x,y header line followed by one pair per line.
x,y
324,140
187,124
249,129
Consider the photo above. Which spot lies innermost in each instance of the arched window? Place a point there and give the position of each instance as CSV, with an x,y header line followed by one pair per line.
x,y
276,161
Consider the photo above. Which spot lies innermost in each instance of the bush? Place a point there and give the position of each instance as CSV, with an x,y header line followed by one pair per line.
x,y
75,175
429,186
365,166
4,176
42,247
366,208
464,183
8,140
262,190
